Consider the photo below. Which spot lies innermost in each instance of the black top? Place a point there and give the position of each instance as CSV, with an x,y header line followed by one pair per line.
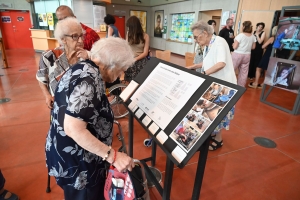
x,y
224,33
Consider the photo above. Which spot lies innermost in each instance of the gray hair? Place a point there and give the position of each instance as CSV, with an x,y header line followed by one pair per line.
x,y
113,52
63,27
203,26
229,19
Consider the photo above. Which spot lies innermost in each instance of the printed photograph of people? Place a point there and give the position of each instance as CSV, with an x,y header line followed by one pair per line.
x,y
284,74
224,96
288,36
186,135
158,23
212,92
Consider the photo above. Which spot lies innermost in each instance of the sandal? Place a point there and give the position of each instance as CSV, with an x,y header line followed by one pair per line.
x,y
251,85
259,86
214,147
12,197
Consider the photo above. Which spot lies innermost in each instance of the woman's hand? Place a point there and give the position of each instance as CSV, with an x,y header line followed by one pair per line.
x,y
82,53
123,162
49,101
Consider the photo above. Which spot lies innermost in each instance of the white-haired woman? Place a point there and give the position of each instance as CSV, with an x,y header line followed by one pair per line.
x,y
55,62
78,144
217,63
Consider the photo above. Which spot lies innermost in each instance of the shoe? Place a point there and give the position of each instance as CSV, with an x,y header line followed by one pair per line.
x,y
218,144
259,86
252,86
12,197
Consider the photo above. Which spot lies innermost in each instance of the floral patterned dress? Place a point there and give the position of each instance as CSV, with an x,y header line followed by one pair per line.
x,y
80,94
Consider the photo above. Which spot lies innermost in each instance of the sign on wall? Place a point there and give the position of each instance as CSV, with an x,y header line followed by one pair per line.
x,y
6,19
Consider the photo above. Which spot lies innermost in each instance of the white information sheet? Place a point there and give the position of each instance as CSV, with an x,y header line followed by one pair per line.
x,y
165,91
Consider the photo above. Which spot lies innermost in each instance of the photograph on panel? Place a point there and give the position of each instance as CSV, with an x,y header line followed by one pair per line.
x,y
212,92
224,96
185,135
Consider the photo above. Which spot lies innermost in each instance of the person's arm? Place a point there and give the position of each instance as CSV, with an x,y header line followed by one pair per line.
x,y
49,98
120,36
218,66
195,66
260,39
269,41
221,33
43,79
76,129
110,31
235,44
146,48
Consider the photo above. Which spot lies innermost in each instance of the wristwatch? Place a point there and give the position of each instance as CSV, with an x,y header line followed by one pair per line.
x,y
204,72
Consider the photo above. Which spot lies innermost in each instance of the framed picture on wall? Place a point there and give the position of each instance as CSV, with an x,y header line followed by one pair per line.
x,y
142,15
158,18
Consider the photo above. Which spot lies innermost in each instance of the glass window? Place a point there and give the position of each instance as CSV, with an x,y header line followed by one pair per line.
x,y
181,27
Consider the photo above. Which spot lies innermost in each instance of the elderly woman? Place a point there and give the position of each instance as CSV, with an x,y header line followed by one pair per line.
x,y
54,63
217,63
78,144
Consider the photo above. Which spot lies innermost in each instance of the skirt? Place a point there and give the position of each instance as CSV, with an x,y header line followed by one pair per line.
x,y
135,69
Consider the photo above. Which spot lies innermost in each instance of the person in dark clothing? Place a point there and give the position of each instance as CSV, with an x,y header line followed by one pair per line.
x,y
4,194
227,33
213,23
257,53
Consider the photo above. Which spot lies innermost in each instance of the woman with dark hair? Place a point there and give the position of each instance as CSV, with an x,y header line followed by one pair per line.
x,y
243,43
139,42
256,54
109,20
213,23
264,62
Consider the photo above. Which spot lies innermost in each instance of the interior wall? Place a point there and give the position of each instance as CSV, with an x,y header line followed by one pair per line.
x,y
208,15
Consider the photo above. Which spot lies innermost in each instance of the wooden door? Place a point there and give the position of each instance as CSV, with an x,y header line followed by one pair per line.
x,y
15,27
21,25
120,24
6,26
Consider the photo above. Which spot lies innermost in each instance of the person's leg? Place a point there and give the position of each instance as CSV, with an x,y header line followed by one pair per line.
x,y
4,194
216,141
243,72
257,75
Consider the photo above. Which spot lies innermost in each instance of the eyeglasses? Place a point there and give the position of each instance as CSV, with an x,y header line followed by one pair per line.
x,y
76,37
196,37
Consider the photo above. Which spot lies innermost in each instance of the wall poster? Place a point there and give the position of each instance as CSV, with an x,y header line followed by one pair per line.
x,y
142,15
158,21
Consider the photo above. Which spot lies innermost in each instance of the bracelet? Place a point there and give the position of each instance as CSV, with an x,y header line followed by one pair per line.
x,y
106,156
115,156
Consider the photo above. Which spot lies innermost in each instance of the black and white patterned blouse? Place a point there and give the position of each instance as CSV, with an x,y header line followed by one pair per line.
x,y
80,93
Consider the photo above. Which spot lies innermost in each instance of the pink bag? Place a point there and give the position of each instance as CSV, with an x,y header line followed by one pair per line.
x,y
118,186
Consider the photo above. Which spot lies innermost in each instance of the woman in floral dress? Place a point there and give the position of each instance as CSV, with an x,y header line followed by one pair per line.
x,y
78,144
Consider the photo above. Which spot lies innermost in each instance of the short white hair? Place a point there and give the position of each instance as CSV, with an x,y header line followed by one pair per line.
x,y
62,28
113,52
203,26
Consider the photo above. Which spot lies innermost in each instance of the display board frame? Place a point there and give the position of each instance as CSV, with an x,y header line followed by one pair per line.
x,y
169,145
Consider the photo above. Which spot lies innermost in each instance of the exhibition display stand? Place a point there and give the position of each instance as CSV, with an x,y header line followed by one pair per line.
x,y
179,109
288,38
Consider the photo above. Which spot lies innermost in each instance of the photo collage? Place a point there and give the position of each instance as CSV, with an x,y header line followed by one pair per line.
x,y
202,115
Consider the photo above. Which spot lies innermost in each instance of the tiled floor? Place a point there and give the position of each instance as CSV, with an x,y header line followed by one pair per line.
x,y
239,170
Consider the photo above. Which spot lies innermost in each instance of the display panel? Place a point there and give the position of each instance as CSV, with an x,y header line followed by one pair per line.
x,y
184,129
284,74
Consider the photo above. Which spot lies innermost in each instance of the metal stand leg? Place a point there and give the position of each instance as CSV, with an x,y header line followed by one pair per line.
x,y
130,135
168,179
153,160
200,169
48,190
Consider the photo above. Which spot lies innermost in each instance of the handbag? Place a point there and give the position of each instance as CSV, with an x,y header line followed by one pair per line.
x,y
126,185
